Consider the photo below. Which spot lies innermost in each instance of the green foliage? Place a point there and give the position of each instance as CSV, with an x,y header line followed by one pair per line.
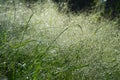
x,y
43,44
107,8
112,8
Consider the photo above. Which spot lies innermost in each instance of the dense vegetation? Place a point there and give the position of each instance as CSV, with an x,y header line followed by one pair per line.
x,y
107,7
59,40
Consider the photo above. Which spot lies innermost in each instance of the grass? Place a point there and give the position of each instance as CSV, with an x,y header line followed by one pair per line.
x,y
40,43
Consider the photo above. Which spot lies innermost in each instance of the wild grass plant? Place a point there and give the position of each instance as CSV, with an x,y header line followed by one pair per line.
x,y
39,43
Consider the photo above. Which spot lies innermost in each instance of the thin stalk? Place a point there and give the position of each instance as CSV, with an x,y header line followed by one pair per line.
x,y
97,30
26,27
56,38
14,10
80,27
44,53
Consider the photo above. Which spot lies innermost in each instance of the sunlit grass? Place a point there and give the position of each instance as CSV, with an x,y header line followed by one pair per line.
x,y
40,43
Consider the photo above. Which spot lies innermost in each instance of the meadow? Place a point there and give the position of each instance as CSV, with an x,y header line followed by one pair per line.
x,y
41,43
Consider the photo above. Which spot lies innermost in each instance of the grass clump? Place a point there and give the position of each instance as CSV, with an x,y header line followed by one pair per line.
x,y
39,43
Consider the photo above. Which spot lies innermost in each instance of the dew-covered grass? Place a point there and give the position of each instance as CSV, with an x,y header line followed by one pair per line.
x,y
41,43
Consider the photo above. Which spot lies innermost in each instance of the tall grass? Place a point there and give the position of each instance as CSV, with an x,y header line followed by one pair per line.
x,y
39,43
